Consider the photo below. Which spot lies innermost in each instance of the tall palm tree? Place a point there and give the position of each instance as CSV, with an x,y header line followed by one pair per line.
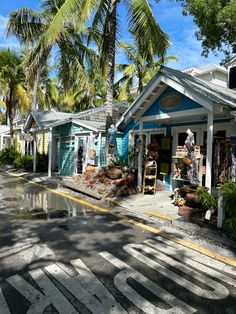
x,y
30,26
141,22
12,84
142,66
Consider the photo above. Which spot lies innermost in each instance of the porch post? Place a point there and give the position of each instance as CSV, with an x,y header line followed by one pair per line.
x,y
50,153
34,152
140,156
209,149
99,149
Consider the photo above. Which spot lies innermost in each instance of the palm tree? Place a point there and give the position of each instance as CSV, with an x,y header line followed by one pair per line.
x,y
29,26
141,22
12,84
141,69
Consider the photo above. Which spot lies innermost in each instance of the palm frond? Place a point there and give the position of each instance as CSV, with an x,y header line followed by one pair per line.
x,y
26,24
144,25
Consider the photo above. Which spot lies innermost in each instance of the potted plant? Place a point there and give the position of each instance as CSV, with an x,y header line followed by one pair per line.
x,y
228,191
206,200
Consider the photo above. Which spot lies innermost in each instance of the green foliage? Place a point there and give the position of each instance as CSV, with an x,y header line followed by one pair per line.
x,y
230,225
207,200
216,20
8,155
23,162
228,191
42,162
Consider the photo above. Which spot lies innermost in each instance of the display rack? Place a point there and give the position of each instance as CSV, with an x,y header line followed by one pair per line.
x,y
149,177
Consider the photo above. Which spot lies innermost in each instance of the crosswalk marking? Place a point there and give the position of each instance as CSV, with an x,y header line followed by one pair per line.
x,y
3,304
120,281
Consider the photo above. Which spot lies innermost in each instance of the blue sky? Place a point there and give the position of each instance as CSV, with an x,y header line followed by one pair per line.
x,y
180,28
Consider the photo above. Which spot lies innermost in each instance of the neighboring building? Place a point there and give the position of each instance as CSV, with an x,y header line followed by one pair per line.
x,y
212,73
71,138
170,104
231,67
4,136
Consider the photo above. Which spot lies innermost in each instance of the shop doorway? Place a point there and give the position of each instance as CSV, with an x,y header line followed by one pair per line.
x,y
80,153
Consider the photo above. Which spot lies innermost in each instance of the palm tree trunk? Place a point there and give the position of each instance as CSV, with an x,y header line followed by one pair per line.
x,y
10,116
111,33
35,90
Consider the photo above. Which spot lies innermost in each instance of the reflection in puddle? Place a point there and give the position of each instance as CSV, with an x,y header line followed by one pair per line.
x,y
46,205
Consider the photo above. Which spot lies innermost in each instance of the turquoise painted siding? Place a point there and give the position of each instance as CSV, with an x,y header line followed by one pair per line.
x,y
186,104
103,151
67,155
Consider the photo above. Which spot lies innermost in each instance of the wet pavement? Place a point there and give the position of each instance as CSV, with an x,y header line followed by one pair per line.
x,y
21,199
94,262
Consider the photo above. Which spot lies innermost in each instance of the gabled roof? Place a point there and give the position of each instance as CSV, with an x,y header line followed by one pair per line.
x,y
205,93
44,118
91,125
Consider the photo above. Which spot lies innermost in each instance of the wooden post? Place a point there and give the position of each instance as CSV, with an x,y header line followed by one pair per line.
x,y
34,152
209,149
50,153
140,156
99,148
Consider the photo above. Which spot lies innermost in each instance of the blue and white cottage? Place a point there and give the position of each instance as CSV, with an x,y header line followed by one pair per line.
x,y
170,104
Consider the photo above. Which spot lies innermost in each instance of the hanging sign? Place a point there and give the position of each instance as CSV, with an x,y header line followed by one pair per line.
x,y
170,101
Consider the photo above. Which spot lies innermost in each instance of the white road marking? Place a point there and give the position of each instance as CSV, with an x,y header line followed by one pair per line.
x,y
120,281
194,255
52,293
83,295
90,282
219,291
4,309
37,299
194,259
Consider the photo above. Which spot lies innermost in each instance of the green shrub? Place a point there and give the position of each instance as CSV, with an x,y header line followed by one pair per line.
x,y
8,155
206,199
23,162
228,191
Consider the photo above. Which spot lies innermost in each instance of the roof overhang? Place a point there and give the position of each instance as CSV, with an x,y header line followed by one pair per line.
x,y
70,120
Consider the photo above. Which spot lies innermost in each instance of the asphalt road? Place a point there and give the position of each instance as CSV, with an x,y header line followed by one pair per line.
x,y
94,262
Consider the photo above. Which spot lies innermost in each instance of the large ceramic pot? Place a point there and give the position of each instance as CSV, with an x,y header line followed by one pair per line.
x,y
114,172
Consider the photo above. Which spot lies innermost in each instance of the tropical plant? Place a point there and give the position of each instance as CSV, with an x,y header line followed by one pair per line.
x,y
104,30
30,26
12,84
228,191
141,68
207,200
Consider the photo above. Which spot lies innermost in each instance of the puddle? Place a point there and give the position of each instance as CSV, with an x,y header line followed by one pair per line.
x,y
29,202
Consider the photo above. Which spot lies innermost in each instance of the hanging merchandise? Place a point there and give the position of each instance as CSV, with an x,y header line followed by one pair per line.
x,y
224,161
191,161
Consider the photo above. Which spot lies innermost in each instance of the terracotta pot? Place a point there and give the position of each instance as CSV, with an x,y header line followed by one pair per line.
x,y
90,168
114,172
192,198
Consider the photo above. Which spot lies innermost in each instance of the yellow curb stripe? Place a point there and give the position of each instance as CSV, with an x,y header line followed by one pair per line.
x,y
161,216
189,245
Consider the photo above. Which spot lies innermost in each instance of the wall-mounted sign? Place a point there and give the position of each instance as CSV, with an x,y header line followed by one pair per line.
x,y
170,101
